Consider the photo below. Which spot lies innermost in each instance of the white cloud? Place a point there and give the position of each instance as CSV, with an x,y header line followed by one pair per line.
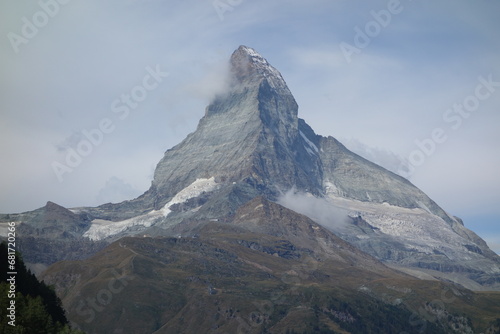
x,y
318,209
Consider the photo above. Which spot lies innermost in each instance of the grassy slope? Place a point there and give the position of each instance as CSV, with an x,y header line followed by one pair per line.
x,y
216,286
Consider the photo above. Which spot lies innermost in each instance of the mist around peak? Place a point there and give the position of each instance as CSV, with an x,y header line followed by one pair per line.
x,y
216,80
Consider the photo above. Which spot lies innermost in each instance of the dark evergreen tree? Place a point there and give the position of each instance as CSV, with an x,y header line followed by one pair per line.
x,y
38,309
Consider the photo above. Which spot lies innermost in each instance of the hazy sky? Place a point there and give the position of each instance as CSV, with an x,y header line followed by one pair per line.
x,y
379,75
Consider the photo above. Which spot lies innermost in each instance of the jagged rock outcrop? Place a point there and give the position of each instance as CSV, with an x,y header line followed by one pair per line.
x,y
52,233
248,134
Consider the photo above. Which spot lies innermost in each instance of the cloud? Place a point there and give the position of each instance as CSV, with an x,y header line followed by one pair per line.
x,y
318,209
214,80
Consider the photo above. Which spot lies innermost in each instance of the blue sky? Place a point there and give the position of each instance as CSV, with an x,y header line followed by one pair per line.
x,y
62,78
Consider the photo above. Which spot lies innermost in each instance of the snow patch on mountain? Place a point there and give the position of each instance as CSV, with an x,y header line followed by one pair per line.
x,y
310,143
415,228
272,75
330,188
101,229
195,189
311,148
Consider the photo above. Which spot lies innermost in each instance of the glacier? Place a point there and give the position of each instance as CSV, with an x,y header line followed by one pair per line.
x,y
101,229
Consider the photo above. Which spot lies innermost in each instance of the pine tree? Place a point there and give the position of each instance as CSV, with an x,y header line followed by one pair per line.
x,y
38,309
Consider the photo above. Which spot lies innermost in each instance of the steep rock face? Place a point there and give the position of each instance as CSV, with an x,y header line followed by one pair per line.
x,y
252,132
350,176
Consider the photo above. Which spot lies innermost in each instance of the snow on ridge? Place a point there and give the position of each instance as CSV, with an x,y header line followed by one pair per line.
x,y
415,226
252,52
309,143
309,150
193,190
267,70
101,229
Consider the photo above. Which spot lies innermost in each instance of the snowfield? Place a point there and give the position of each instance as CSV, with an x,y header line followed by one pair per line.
x,y
272,75
195,189
417,229
101,229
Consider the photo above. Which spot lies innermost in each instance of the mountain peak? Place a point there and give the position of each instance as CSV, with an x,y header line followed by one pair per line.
x,y
251,148
249,66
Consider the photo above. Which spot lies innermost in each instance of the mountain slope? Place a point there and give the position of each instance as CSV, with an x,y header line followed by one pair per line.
x,y
268,270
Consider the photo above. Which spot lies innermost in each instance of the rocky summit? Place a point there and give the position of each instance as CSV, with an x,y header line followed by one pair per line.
x,y
253,192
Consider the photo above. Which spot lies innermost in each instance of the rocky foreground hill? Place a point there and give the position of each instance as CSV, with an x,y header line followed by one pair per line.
x,y
255,224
